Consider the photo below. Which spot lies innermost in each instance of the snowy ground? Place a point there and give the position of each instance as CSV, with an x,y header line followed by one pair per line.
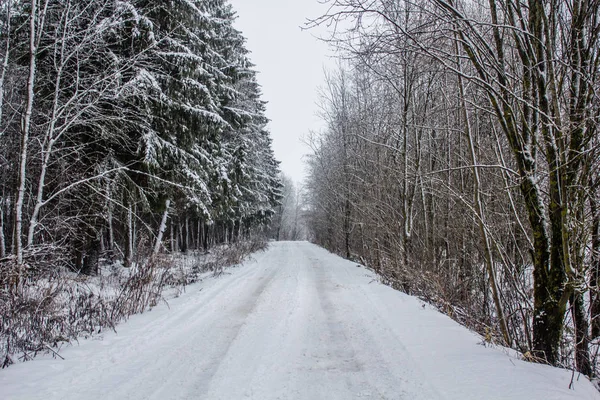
x,y
295,323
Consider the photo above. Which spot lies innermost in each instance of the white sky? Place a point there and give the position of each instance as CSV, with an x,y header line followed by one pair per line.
x,y
290,63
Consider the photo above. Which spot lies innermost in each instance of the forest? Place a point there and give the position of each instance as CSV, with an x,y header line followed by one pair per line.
x,y
461,162
128,129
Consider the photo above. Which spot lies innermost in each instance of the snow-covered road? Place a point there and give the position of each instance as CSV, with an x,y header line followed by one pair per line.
x,y
295,323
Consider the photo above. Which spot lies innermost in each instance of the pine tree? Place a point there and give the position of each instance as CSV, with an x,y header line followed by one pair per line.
x,y
135,106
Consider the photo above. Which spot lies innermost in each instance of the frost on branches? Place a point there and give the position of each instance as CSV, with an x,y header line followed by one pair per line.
x,y
127,129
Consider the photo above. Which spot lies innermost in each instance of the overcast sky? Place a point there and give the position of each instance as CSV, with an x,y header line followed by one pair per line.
x,y
290,63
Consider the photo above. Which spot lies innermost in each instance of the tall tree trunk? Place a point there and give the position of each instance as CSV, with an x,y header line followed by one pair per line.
x,y
582,338
548,308
25,130
198,234
111,231
478,202
187,233
183,242
2,239
161,229
554,303
595,266
347,216
129,238
205,236
47,148
172,245
5,59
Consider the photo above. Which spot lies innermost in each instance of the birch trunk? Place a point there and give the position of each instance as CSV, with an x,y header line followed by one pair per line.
x,y
47,148
2,239
111,231
5,60
25,128
129,248
161,229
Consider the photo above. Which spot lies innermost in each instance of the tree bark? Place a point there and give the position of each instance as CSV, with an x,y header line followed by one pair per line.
x,y
2,238
5,59
595,267
582,338
25,130
161,229
478,202
129,238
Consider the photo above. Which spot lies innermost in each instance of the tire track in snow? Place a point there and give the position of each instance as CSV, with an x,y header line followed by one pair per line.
x,y
390,370
297,324
199,356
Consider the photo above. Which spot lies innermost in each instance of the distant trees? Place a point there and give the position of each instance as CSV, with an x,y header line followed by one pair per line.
x,y
289,222
467,134
127,127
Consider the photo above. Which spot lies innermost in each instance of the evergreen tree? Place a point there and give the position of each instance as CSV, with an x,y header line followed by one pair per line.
x,y
135,106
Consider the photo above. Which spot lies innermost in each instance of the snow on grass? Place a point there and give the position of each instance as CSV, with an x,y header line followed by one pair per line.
x,y
296,322
49,310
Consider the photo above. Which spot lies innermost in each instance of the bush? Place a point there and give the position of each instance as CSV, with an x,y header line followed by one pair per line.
x,y
42,310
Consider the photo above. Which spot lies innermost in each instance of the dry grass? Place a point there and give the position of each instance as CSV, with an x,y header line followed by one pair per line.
x,y
43,309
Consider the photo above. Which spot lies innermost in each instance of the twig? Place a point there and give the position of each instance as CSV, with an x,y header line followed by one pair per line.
x,y
572,377
52,350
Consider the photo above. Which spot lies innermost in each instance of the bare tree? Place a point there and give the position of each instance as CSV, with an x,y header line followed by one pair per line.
x,y
451,65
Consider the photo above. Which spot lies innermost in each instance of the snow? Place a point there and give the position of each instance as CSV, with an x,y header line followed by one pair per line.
x,y
294,323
